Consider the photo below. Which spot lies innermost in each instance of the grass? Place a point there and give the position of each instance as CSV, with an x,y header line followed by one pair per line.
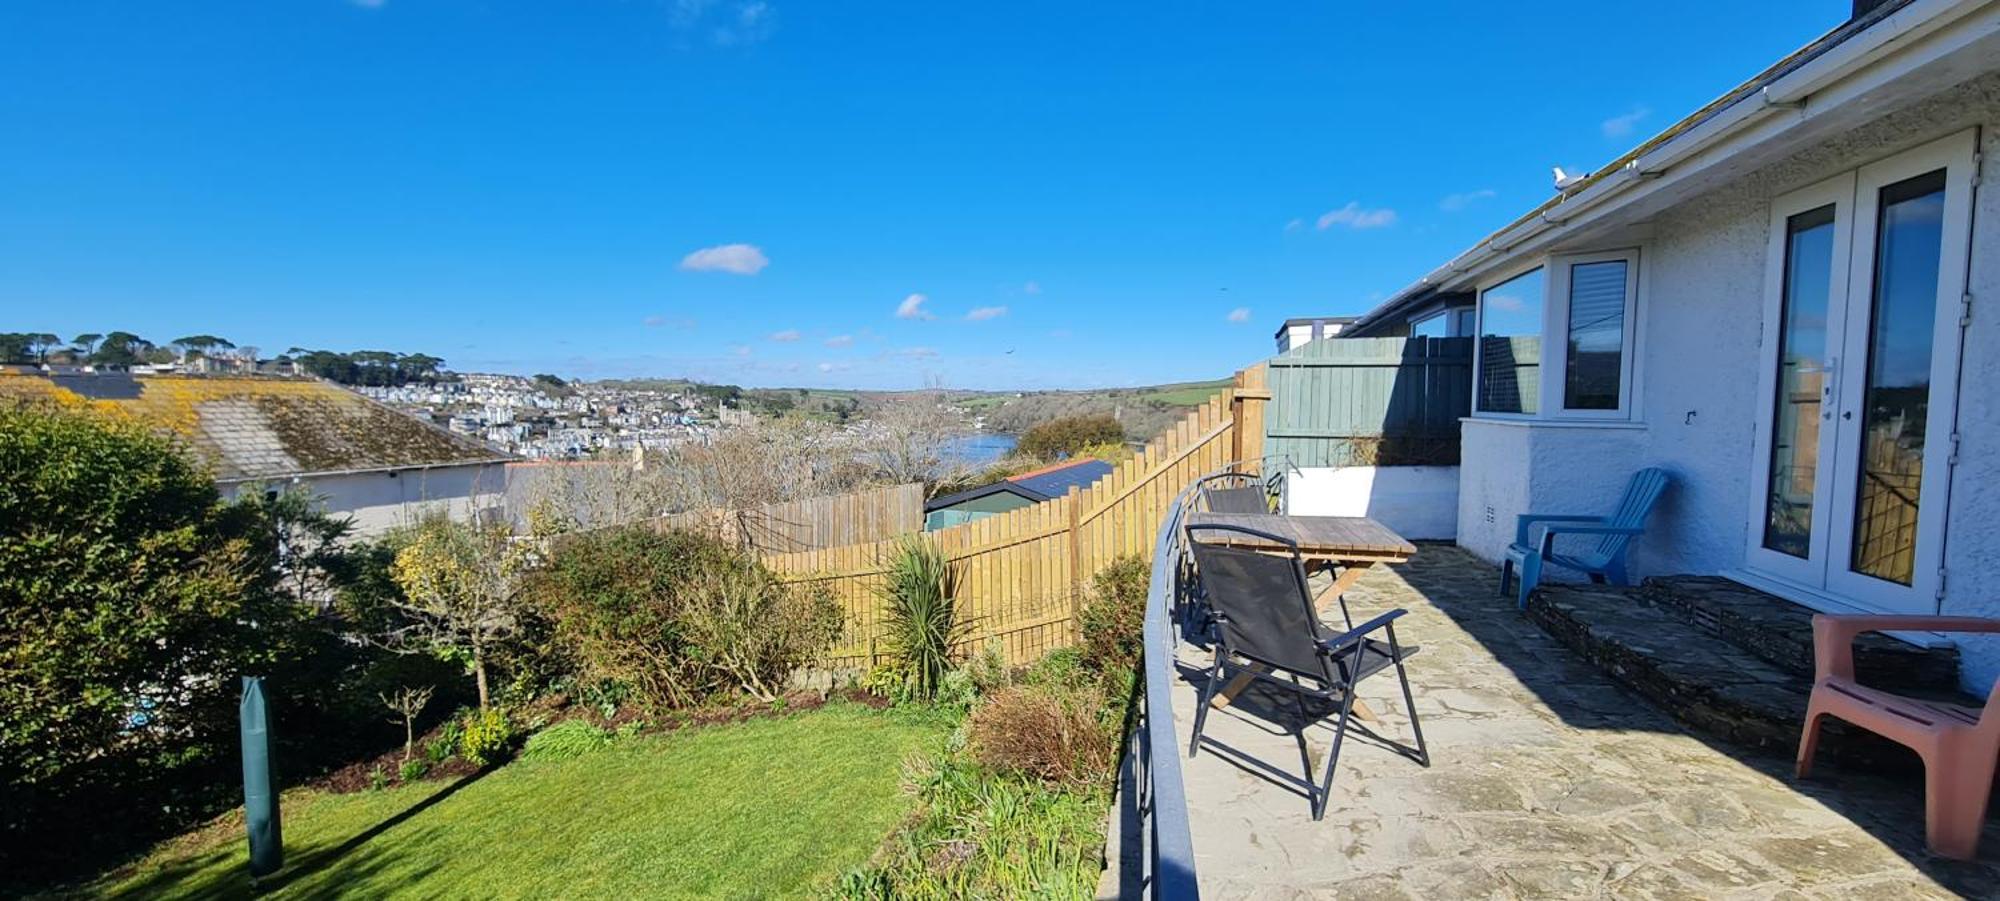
x,y
769,807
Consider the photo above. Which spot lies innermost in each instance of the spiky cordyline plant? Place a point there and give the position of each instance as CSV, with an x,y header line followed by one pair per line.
x,y
922,620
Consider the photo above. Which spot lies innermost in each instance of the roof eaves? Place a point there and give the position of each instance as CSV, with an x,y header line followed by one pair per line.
x,y
1623,164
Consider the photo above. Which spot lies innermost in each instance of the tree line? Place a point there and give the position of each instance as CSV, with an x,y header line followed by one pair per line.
x,y
361,367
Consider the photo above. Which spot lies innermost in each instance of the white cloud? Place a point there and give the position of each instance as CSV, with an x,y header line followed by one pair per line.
x,y
1295,225
912,307
1622,126
1452,203
739,259
840,341
741,350
981,314
725,24
1355,217
1240,314
914,353
833,367
680,322
1032,287
788,335
369,4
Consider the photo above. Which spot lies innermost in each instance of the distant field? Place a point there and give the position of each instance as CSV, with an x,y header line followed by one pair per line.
x,y
1145,412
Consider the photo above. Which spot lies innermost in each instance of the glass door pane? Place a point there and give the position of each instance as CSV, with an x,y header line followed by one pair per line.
x,y
1802,382
1896,396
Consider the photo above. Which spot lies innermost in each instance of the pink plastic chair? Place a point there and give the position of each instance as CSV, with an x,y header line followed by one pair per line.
x,y
1959,745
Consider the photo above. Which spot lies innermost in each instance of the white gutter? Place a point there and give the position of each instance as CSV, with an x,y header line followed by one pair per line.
x,y
1787,93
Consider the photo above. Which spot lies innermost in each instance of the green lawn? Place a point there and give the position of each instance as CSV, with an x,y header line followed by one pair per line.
x,y
770,807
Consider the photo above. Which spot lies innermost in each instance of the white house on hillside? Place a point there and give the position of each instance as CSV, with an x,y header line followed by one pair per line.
x,y
1791,300
377,465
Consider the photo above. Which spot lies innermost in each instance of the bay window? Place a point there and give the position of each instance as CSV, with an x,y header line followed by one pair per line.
x,y
1510,345
1555,341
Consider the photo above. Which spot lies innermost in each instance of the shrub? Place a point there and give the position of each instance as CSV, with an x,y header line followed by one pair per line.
x,y
1114,615
1069,435
413,769
678,617
988,668
446,743
378,778
487,737
957,691
131,599
1046,733
569,738
921,622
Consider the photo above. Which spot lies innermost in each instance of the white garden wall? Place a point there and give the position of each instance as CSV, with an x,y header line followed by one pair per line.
x,y
1418,502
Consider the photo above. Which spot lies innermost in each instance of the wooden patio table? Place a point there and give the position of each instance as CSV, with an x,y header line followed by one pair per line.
x,y
1348,545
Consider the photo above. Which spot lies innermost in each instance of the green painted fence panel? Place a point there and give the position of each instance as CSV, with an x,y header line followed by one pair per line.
x,y
1361,401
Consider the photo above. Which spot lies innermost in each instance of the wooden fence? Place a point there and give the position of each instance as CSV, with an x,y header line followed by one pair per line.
x,y
869,515
1370,401
1022,573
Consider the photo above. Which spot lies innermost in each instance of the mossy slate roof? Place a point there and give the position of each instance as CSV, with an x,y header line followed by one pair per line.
x,y
249,428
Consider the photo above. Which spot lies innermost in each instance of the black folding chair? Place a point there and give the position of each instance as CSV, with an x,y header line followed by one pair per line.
x,y
1266,627
1232,492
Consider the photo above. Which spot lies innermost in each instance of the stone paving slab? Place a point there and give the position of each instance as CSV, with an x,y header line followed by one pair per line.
x,y
1547,780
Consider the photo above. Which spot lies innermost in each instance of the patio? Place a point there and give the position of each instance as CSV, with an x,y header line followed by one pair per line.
x,y
1548,779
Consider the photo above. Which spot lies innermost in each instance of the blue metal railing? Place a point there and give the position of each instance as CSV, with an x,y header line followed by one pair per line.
x,y
1158,797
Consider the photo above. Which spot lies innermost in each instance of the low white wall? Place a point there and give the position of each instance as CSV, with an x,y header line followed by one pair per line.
x,y
1419,502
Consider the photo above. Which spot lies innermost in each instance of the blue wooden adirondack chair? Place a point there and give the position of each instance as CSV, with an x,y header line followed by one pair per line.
x,y
1535,537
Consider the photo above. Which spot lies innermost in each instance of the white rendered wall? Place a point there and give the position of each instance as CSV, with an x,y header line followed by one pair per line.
x,y
380,501
1418,502
1702,273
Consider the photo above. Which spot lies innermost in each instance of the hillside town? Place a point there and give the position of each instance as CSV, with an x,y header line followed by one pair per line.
x,y
543,419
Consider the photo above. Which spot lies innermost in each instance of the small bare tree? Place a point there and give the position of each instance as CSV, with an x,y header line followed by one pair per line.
x,y
461,592
910,439
407,703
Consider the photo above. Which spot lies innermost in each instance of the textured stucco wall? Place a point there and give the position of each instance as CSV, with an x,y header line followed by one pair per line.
x,y
1972,543
380,501
1702,274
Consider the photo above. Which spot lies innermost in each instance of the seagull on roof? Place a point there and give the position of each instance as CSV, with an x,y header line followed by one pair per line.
x,y
1565,181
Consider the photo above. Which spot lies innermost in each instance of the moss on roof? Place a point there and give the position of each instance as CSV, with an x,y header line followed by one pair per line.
x,y
256,428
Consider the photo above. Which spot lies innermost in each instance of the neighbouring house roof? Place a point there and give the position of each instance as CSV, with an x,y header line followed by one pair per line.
x,y
1057,480
248,428
1047,483
1876,29
1310,320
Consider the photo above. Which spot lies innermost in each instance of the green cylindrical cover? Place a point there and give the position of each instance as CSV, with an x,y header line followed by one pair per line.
x,y
260,794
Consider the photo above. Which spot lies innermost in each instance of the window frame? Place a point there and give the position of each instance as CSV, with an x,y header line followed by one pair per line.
x,y
1479,335
1556,395
1438,317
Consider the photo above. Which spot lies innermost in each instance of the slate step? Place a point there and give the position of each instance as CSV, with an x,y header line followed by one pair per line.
x,y
1780,633
1704,682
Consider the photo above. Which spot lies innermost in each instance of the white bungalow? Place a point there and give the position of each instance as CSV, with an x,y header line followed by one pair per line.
x,y
1790,299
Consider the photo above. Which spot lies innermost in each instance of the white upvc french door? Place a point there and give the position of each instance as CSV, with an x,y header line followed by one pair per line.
x,y
1862,409
1805,301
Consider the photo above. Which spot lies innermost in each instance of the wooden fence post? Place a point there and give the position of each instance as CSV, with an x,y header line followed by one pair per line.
x,y
1246,416
1074,534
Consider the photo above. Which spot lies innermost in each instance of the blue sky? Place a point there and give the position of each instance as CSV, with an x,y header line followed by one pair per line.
x,y
1081,194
